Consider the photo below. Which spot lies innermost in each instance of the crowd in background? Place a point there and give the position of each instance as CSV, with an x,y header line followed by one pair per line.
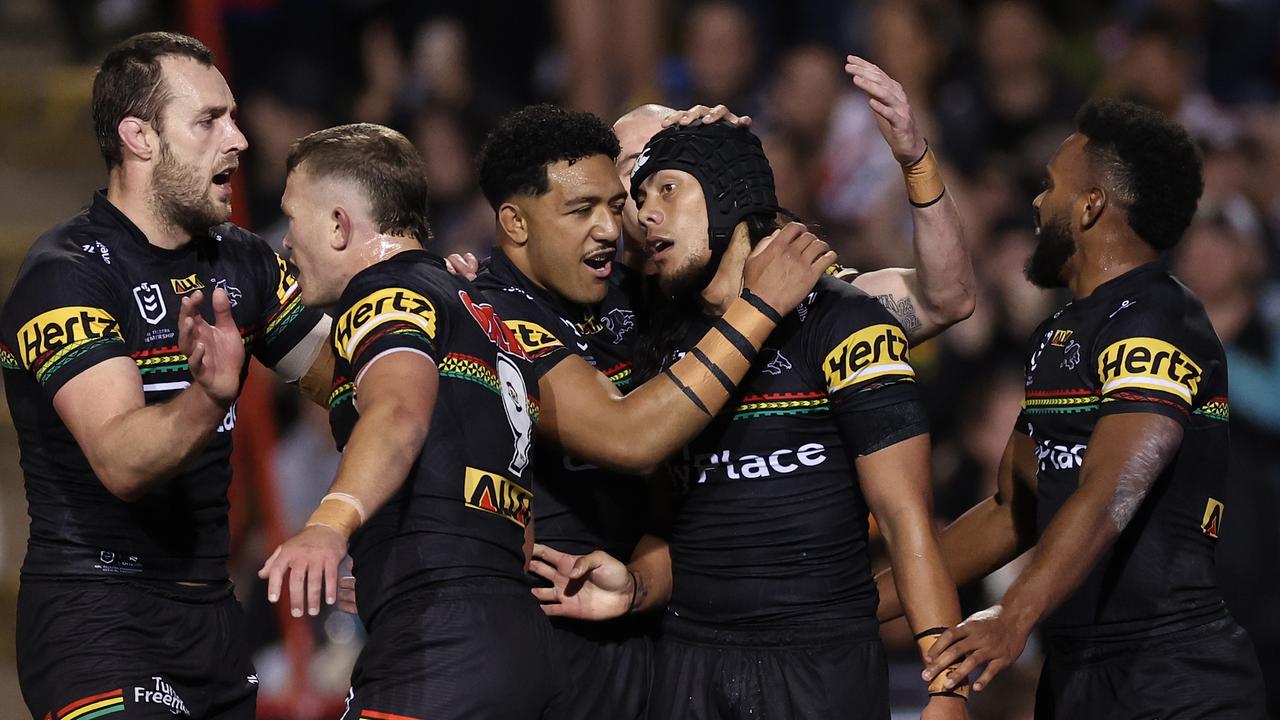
x,y
995,85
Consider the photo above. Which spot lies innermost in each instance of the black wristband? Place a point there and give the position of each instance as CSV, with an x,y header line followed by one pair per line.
x,y
761,305
685,389
736,339
931,631
715,370
949,693
932,202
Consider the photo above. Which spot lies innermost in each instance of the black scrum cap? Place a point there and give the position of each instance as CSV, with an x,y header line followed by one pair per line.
x,y
728,162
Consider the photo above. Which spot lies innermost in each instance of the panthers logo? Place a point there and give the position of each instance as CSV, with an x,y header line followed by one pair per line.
x,y
619,322
777,364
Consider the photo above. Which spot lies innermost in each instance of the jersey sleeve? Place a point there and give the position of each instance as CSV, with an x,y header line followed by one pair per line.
x,y
61,319
533,326
870,384
1148,358
383,315
284,321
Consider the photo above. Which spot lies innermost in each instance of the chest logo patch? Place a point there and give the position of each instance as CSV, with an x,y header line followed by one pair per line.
x,y
1071,356
150,302
778,363
1150,364
182,286
1059,338
619,322
1212,521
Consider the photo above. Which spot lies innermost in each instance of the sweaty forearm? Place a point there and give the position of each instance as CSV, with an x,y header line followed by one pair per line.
x,y
375,463
944,273
976,544
139,449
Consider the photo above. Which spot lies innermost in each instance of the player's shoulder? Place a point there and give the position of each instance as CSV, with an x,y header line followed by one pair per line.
x,y
836,299
1157,301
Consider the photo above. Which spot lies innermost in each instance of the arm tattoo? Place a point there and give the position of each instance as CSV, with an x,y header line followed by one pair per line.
x,y
903,310
1139,473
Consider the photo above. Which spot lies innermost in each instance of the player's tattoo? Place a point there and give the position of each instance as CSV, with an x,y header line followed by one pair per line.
x,y
1139,473
903,309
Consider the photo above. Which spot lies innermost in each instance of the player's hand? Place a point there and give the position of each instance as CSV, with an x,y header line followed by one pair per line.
x,y
311,560
347,595
465,265
989,637
707,115
893,112
597,586
785,266
945,708
215,353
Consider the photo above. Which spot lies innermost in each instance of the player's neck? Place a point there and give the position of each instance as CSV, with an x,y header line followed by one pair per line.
x,y
1106,259
133,201
383,246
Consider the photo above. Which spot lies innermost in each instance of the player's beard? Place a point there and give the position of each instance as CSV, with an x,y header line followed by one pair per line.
x,y
673,307
180,195
1054,247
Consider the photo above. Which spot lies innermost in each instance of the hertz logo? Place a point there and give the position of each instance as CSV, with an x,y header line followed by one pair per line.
x,y
182,286
869,353
534,338
63,328
380,307
287,281
495,494
1148,363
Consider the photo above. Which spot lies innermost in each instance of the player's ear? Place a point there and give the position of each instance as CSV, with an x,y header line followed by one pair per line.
x,y
513,222
136,138
340,229
1095,201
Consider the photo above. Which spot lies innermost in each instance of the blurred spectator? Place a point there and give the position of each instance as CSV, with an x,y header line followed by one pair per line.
x,y
1158,69
1222,260
1015,101
719,53
461,220
613,53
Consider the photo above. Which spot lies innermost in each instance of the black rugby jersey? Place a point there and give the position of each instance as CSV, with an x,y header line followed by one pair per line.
x,y
91,289
580,507
1140,343
771,524
463,509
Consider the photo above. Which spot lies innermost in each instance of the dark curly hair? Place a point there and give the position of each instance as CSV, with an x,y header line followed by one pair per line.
x,y
1149,163
515,156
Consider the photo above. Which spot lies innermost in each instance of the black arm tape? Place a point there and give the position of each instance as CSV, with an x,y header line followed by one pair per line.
x,y
930,631
866,431
685,389
762,306
736,339
715,370
949,693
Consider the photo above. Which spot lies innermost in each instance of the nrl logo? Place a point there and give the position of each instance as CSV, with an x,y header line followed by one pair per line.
x,y
150,302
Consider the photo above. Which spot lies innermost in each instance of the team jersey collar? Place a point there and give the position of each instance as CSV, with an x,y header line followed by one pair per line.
x,y
1120,284
103,211
505,271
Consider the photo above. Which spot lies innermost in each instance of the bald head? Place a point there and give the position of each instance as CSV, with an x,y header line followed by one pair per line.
x,y
634,130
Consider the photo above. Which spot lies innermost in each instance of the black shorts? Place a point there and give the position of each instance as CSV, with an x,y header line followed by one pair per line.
x,y
828,671
1208,672
142,649
473,649
610,667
